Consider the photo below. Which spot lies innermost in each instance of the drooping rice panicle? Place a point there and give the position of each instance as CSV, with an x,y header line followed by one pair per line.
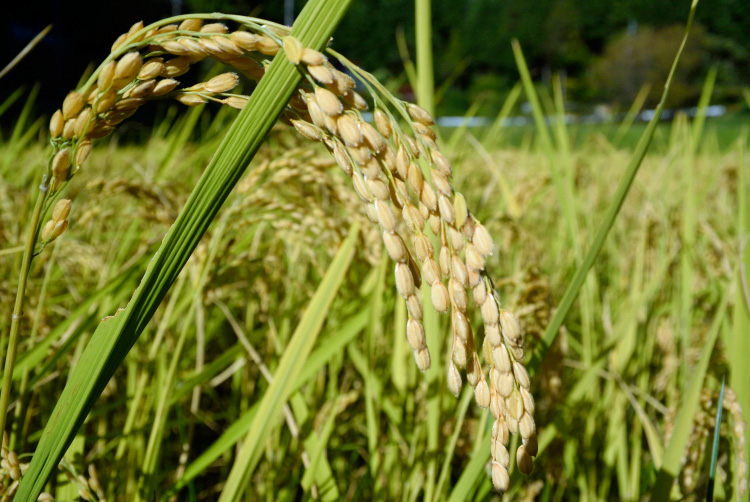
x,y
397,170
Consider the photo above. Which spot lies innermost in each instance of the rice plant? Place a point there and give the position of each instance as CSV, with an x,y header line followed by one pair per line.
x,y
224,392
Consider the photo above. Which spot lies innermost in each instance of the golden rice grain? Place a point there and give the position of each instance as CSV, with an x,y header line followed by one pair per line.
x,y
454,379
190,99
311,57
482,240
214,28
382,123
60,163
118,42
106,76
372,137
82,123
442,185
441,163
227,46
222,83
61,210
521,375
293,49
414,307
492,333
500,478
458,270
415,335
428,198
164,86
127,67
511,328
268,46
328,102
504,386
422,358
175,47
175,67
349,130
82,152
246,40
151,69
355,100
379,190
321,73
56,124
482,393
72,104
58,229
395,246
195,51
526,426
446,209
368,165
523,459
341,158
190,25
420,115
143,90
307,130
423,130
237,102
500,453
387,220
439,296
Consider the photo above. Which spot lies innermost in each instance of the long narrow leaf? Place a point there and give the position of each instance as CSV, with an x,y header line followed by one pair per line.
x,y
614,208
116,335
288,371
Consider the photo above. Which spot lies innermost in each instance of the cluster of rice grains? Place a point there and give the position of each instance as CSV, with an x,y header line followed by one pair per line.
x,y
405,183
403,179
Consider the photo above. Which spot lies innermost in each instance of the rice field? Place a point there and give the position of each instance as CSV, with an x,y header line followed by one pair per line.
x,y
277,347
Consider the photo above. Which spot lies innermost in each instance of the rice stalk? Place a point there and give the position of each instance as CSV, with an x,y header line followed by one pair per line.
x,y
268,101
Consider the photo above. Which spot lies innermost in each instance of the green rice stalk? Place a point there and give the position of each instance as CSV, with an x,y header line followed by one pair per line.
x,y
425,75
115,336
621,192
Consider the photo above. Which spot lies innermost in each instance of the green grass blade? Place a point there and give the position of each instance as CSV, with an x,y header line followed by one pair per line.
x,y
221,363
631,115
618,199
33,357
564,196
493,135
288,371
474,469
116,335
12,98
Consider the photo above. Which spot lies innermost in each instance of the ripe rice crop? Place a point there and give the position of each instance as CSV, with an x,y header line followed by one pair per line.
x,y
231,355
